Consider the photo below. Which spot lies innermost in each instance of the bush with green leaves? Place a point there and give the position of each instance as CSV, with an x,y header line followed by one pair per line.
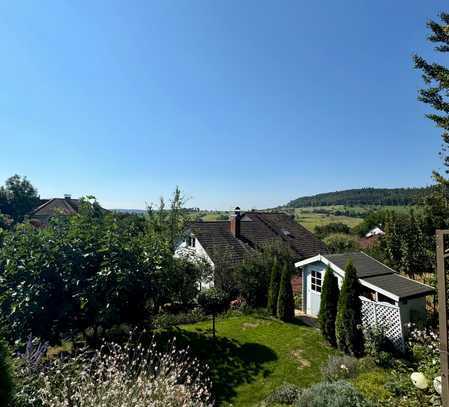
x,y
328,306
286,303
335,394
378,346
167,320
213,301
6,375
94,269
348,327
284,394
339,368
340,243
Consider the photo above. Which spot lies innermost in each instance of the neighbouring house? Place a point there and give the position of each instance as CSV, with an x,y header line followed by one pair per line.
x,y
51,207
227,243
376,231
388,298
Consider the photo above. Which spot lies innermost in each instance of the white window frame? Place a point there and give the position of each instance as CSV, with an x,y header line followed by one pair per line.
x,y
316,281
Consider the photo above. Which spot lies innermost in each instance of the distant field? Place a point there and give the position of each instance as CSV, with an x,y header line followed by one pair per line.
x,y
311,217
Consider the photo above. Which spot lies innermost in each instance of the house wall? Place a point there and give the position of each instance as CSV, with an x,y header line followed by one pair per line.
x,y
413,310
195,254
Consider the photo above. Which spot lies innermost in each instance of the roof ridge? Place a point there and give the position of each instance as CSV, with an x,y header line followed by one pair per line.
x,y
42,205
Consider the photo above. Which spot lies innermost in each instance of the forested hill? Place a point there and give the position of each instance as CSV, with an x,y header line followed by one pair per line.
x,y
363,196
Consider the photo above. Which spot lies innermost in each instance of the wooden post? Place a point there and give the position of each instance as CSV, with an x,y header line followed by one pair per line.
x,y
442,314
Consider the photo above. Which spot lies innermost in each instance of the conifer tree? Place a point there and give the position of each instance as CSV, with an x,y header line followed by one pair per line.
x,y
285,303
273,290
329,306
348,326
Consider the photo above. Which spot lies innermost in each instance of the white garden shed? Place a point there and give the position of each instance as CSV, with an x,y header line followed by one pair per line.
x,y
388,298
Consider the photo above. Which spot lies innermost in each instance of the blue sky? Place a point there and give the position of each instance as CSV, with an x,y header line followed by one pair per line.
x,y
251,103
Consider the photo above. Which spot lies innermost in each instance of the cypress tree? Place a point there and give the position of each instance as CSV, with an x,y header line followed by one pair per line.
x,y
328,306
273,290
286,303
6,375
348,325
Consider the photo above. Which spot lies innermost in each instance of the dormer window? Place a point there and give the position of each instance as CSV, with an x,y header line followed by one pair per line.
x,y
191,241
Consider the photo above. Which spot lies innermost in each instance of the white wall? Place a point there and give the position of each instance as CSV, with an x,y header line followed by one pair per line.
x,y
195,254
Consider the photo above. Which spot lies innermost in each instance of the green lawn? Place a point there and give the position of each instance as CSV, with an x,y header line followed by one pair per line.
x,y
253,355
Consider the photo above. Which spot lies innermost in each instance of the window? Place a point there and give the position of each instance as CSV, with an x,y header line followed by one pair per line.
x,y
316,281
190,241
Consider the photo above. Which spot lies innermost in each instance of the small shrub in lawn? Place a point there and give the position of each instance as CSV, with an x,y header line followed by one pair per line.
x,y
336,394
339,367
285,394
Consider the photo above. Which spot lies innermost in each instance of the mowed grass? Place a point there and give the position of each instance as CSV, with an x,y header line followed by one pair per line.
x,y
253,355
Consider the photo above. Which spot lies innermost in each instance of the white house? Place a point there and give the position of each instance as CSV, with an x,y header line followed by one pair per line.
x,y
376,231
388,298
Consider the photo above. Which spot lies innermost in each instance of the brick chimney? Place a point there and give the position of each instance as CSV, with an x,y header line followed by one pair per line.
x,y
234,223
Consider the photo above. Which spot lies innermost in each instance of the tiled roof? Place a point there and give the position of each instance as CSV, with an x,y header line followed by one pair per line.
x,y
221,246
256,230
54,206
378,274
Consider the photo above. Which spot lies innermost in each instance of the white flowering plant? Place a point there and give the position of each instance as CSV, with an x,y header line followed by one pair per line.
x,y
129,375
412,382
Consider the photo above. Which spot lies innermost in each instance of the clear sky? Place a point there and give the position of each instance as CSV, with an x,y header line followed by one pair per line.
x,y
248,103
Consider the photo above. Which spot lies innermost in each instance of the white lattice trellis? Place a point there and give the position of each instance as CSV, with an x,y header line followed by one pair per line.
x,y
386,316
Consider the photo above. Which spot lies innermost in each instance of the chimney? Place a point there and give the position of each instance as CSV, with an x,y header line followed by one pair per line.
x,y
67,196
234,223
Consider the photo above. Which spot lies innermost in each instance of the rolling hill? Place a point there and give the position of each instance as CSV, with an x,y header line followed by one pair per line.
x,y
363,196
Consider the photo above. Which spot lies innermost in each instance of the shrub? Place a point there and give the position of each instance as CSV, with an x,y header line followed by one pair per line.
x,y
378,346
338,368
328,306
213,301
6,375
348,325
167,320
336,394
273,290
285,305
285,394
372,384
339,243
130,375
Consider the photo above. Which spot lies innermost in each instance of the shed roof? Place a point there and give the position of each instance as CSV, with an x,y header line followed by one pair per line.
x,y
400,286
372,271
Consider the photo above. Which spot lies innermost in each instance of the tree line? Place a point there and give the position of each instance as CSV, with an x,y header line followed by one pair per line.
x,y
364,196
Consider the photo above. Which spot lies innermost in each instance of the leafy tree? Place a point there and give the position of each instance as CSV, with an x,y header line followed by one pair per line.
x,y
212,301
90,270
414,259
322,231
6,375
328,306
348,325
18,197
394,229
340,243
286,303
273,290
